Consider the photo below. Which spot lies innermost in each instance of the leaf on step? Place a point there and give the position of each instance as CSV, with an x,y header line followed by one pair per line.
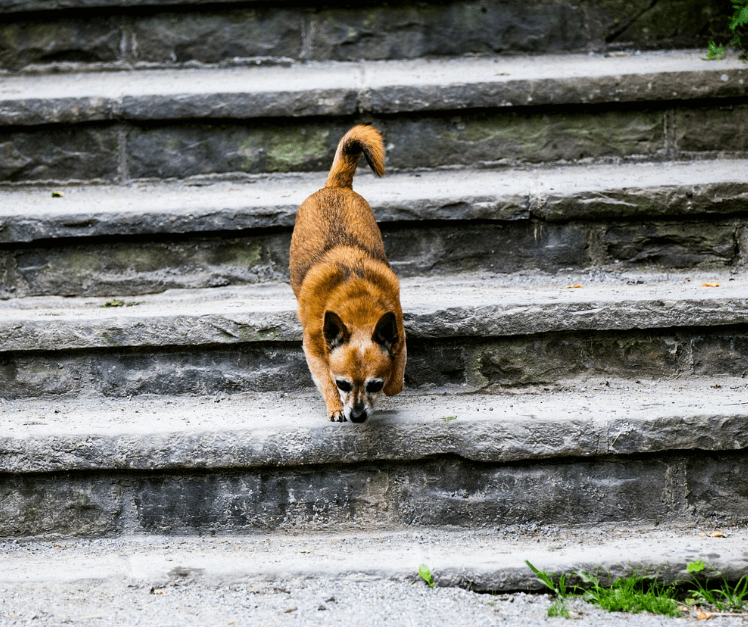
x,y
57,195
448,418
710,285
703,615
568,287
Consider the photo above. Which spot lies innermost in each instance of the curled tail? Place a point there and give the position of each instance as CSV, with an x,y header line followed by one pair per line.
x,y
359,139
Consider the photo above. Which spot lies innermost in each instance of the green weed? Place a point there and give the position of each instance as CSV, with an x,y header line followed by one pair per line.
x,y
725,598
633,594
738,22
715,52
425,574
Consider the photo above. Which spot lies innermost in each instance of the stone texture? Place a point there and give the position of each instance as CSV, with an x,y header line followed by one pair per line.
x,y
182,151
491,247
43,42
368,88
722,129
62,505
216,36
453,28
522,137
550,358
722,353
715,479
665,23
144,267
82,154
674,245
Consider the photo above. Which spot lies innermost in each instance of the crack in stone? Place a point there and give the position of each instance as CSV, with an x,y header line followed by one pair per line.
x,y
616,34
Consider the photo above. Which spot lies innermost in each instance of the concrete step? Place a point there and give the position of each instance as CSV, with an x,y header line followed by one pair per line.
x,y
43,35
586,455
124,126
148,237
467,330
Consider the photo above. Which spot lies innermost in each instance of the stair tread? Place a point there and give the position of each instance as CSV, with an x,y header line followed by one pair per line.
x,y
484,559
451,306
567,192
613,417
346,88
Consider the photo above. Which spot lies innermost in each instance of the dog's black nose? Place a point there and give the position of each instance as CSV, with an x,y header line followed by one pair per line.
x,y
358,414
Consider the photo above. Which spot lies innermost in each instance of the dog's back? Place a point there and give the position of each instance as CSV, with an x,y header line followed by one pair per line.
x,y
336,217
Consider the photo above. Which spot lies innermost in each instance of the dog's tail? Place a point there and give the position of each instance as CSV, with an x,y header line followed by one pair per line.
x,y
359,139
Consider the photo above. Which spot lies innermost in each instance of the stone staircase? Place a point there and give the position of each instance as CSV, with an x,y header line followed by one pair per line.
x,y
566,206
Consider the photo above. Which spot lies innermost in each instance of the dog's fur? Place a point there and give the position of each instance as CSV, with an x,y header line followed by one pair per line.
x,y
349,297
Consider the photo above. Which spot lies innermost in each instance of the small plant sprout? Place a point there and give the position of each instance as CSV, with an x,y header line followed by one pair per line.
x,y
558,607
425,574
725,598
715,52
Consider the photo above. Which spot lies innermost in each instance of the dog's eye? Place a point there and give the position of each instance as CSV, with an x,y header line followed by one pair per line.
x,y
374,386
343,385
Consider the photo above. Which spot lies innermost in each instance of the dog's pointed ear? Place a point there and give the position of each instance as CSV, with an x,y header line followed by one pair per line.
x,y
335,331
385,333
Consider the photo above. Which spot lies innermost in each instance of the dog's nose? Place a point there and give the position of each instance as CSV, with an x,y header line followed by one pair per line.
x,y
358,413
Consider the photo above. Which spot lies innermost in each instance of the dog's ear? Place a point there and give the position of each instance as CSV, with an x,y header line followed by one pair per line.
x,y
336,333
385,333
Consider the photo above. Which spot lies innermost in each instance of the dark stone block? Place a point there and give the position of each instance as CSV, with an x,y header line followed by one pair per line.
x,y
61,505
435,364
718,487
90,40
723,129
673,244
212,37
181,151
455,28
59,154
494,247
721,354
553,357
522,137
147,267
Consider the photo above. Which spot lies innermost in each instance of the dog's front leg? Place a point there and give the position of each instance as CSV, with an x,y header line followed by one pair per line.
x,y
322,379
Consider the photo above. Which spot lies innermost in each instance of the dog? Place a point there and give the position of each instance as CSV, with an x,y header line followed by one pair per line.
x,y
348,295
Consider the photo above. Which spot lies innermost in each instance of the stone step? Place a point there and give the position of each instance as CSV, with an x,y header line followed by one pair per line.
x,y
43,35
475,331
144,238
272,462
484,561
125,126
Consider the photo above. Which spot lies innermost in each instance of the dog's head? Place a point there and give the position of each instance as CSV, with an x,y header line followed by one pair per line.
x,y
362,361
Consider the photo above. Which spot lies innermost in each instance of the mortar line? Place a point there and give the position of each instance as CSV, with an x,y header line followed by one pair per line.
x,y
122,173
671,148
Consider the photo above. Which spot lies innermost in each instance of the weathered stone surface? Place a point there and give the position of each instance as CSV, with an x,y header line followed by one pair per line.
x,y
61,505
144,267
722,130
721,353
674,245
550,358
491,247
454,28
715,479
348,88
93,40
218,36
522,137
260,430
437,307
666,23
182,151
81,154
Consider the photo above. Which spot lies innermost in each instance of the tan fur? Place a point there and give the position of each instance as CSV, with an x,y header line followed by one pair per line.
x,y
349,297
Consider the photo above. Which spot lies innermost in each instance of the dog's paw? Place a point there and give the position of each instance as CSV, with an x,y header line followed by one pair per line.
x,y
337,416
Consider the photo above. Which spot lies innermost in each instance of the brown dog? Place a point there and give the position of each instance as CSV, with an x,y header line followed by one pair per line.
x,y
349,297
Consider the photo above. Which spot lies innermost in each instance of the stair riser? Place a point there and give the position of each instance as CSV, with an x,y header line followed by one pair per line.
x,y
552,358
152,36
661,489
124,152
415,249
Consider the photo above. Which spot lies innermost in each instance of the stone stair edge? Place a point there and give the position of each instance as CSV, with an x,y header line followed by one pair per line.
x,y
556,193
434,307
373,87
618,417
482,560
